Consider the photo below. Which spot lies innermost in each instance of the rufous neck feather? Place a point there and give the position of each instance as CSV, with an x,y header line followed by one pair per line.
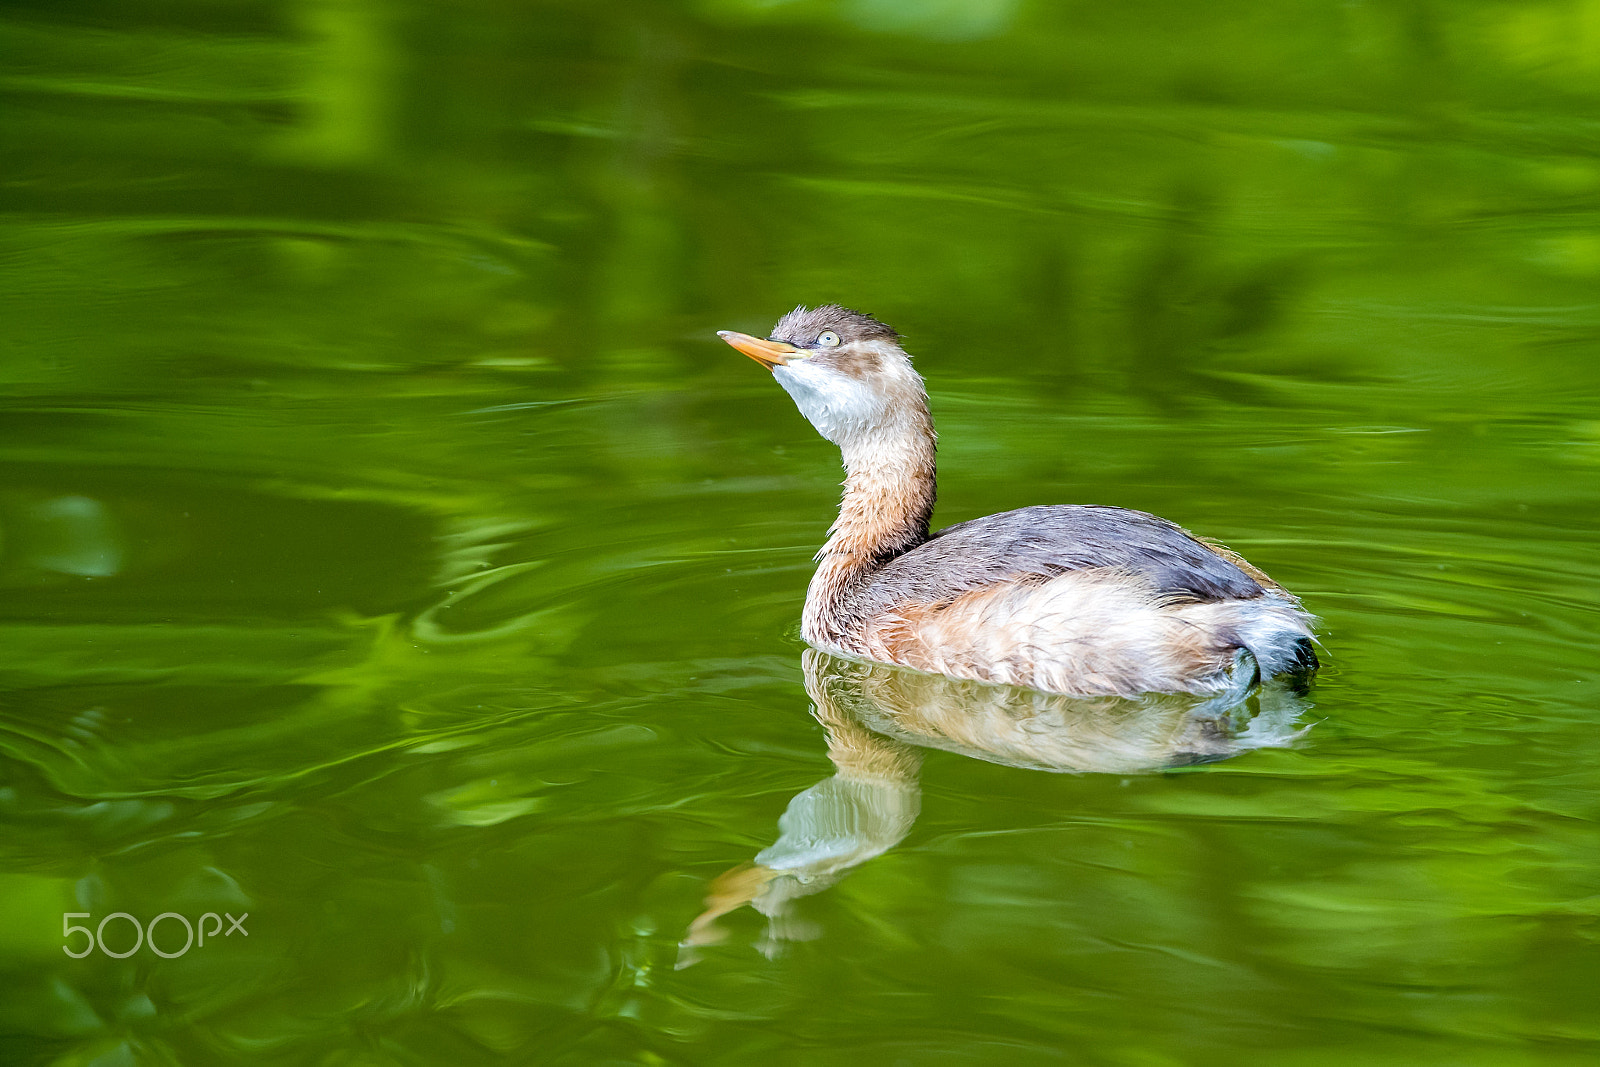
x,y
888,499
888,496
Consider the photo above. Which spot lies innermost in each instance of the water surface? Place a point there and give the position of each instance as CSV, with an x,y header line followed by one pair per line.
x,y
392,553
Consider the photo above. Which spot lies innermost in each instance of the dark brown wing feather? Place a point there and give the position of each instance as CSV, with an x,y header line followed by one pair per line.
x,y
1046,541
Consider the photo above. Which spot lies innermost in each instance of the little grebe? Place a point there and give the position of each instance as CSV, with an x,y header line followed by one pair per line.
x,y
1064,598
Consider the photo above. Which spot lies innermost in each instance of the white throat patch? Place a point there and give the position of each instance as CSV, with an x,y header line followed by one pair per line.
x,y
840,407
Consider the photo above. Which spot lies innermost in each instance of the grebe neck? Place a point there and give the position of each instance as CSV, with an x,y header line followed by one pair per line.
x,y
888,499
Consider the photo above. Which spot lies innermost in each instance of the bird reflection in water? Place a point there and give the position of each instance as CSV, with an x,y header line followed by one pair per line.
x,y
878,717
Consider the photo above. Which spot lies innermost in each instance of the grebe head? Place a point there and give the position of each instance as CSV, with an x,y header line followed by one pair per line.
x,y
845,370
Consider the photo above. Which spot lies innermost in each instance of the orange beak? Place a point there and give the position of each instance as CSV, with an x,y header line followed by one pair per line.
x,y
767,353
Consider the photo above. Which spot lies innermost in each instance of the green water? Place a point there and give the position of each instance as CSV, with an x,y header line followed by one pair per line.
x,y
392,553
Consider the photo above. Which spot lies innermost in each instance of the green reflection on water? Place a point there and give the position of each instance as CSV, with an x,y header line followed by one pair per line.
x,y
392,553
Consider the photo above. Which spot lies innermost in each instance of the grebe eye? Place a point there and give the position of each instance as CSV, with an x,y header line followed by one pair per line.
x,y
828,339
